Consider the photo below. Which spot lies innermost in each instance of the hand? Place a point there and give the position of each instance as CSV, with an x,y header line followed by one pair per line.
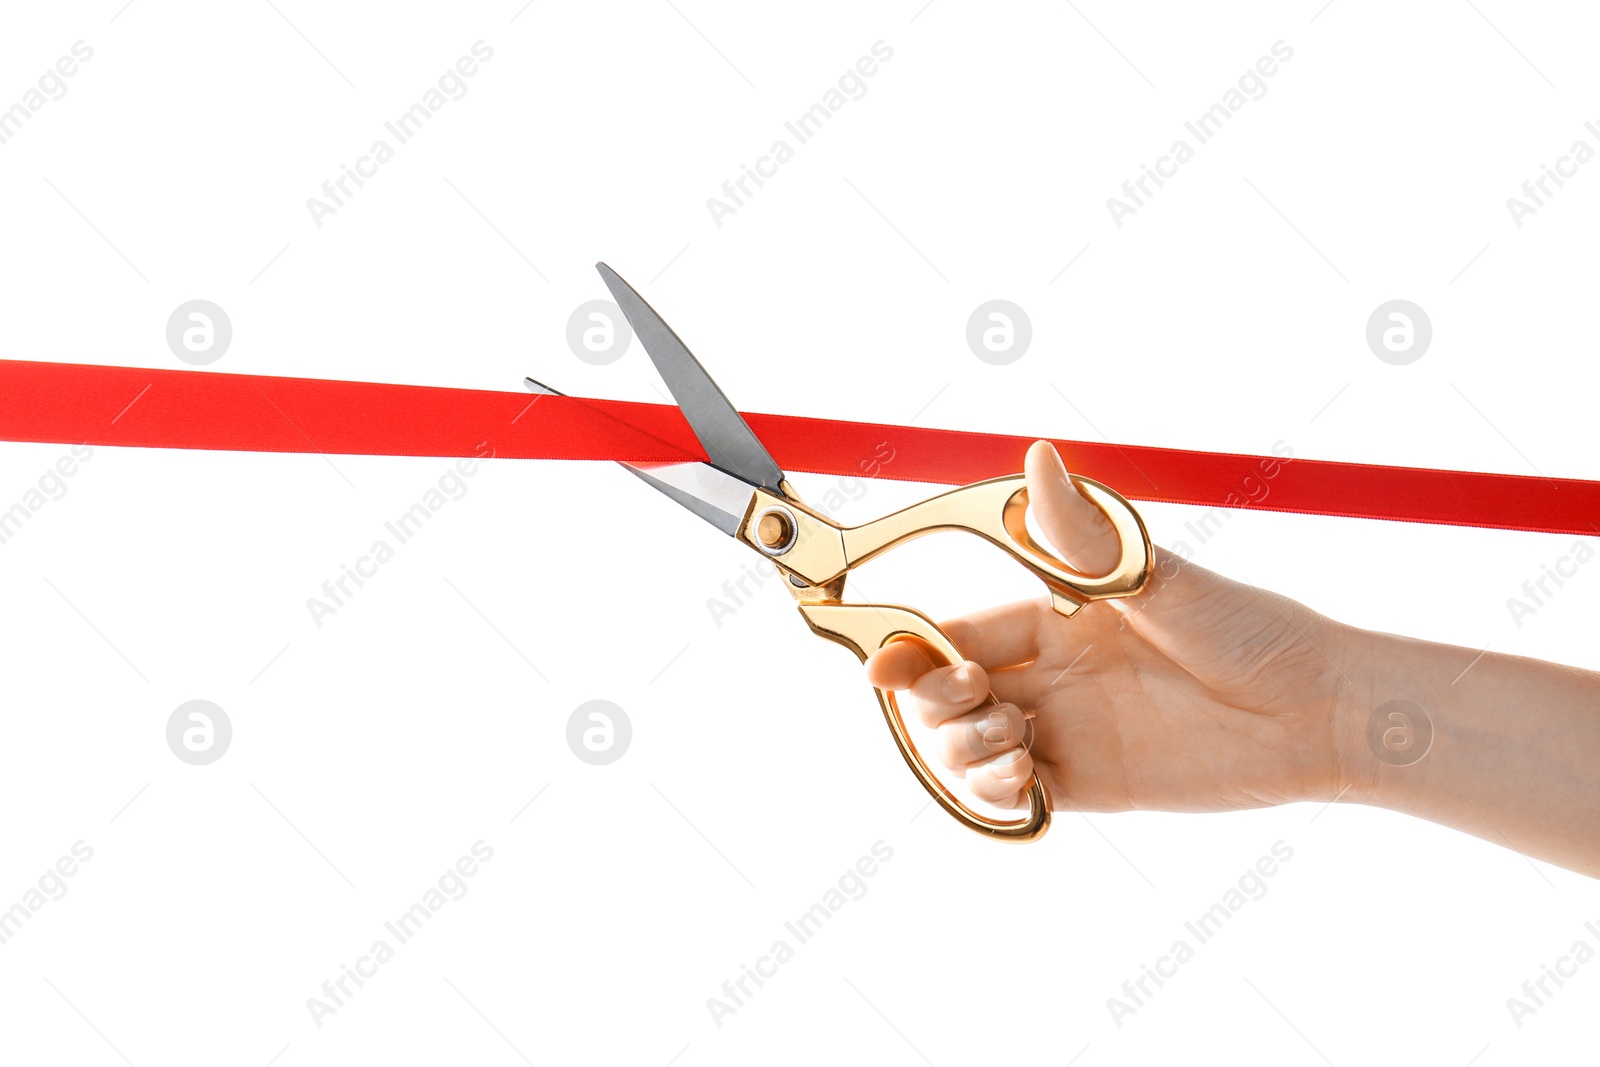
x,y
1205,694
1197,694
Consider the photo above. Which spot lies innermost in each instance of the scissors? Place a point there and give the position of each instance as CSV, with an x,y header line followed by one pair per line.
x,y
744,493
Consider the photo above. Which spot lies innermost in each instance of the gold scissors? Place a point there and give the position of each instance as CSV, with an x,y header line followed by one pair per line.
x,y
743,493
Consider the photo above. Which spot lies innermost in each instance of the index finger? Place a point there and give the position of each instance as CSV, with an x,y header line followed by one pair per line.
x,y
999,637
994,638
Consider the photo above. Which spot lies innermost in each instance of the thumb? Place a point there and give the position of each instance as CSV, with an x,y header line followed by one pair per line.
x,y
1194,615
1076,528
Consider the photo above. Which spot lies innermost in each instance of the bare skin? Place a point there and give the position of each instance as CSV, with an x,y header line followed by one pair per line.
x,y
1206,694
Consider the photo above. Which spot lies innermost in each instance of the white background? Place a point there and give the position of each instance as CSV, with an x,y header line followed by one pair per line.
x,y
368,754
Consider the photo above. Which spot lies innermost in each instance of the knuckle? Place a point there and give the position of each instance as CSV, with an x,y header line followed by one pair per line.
x,y
926,688
992,790
929,712
952,745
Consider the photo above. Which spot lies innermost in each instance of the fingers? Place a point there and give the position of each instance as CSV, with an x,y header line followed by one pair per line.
x,y
944,693
980,735
1025,686
1003,636
1003,780
1078,530
898,664
983,744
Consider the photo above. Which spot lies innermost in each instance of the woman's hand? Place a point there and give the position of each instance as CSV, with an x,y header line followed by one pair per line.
x,y
1197,694
1205,694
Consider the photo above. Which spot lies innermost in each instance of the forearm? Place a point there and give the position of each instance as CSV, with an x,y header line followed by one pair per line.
x,y
1504,747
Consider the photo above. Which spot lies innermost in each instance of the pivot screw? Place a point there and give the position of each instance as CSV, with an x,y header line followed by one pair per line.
x,y
776,530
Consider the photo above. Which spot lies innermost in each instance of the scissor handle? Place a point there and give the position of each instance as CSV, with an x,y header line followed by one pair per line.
x,y
865,628
996,510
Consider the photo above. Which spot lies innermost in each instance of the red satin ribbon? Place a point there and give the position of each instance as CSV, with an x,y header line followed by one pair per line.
x,y
73,403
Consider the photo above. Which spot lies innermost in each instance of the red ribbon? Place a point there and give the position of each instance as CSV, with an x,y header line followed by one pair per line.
x,y
70,403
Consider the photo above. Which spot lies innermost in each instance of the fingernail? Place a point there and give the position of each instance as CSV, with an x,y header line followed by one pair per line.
x,y
1058,466
958,685
996,731
1005,765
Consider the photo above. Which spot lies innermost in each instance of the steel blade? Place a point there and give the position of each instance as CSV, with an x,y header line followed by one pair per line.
x,y
716,496
728,441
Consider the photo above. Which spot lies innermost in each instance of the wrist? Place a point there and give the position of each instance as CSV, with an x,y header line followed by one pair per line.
x,y
1383,725
1332,758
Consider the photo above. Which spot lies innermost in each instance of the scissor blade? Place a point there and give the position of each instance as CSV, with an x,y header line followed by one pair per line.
x,y
728,441
717,497
714,495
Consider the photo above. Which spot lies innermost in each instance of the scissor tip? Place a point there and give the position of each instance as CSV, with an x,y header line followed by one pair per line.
x,y
535,386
